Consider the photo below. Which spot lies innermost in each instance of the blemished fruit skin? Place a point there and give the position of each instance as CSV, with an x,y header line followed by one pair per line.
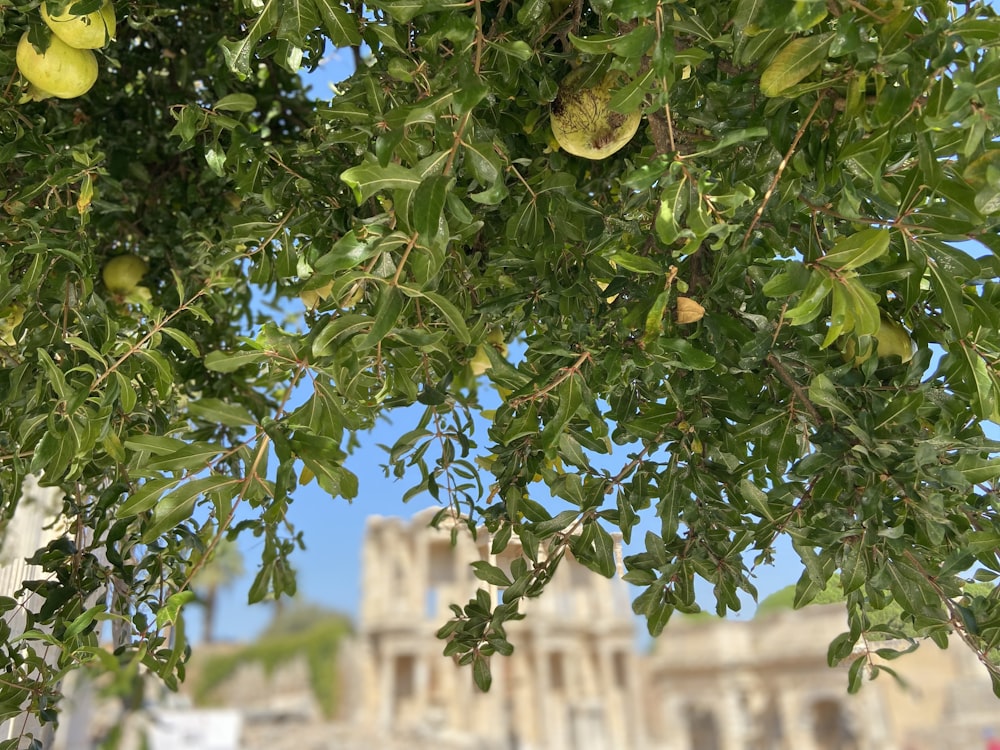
x,y
122,273
584,124
89,31
61,71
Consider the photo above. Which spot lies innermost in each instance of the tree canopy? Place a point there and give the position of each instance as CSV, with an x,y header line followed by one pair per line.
x,y
775,306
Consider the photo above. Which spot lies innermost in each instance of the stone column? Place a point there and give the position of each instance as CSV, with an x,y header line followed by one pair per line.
x,y
387,689
635,703
420,574
733,719
28,531
543,684
795,726
676,723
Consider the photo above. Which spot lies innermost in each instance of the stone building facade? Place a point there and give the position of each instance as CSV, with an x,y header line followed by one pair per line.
x,y
576,679
572,682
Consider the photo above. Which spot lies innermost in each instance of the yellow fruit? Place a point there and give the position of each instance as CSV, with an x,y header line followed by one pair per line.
x,y
89,31
312,297
583,123
61,70
480,363
122,273
496,338
689,311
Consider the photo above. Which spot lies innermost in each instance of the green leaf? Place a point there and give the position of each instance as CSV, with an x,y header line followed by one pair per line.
x,y
347,252
231,361
654,318
673,204
340,26
856,250
595,548
948,294
491,574
335,480
217,411
453,316
794,62
83,621
158,445
856,674
810,302
171,609
368,179
183,339
690,356
823,393
193,457
298,19
387,312
570,397
634,43
236,103
238,53
900,410
146,497
176,506
481,673
428,205
977,375
635,263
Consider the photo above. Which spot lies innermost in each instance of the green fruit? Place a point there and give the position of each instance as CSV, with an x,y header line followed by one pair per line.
x,y
122,273
893,341
584,124
10,318
60,70
89,31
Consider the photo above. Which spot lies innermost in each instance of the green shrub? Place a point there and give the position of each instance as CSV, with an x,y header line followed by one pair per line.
x,y
318,644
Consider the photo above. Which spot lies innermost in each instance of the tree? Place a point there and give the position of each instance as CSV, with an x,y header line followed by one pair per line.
x,y
775,307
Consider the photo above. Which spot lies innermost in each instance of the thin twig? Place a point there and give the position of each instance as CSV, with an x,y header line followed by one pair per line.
x,y
781,169
402,261
564,375
138,345
797,389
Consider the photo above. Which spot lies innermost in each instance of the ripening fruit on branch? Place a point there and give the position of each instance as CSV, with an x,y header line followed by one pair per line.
x,y
893,341
61,71
10,318
312,298
122,273
87,31
582,121
480,361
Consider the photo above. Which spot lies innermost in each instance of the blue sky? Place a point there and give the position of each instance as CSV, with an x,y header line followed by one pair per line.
x,y
329,568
